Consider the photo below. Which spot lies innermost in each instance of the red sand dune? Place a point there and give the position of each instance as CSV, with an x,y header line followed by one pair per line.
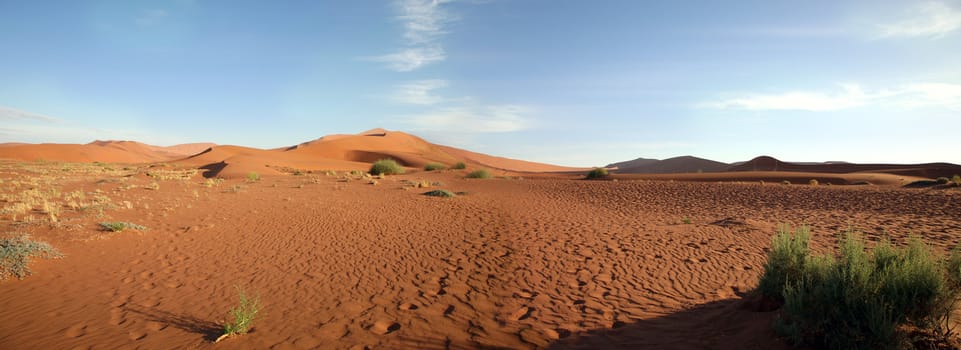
x,y
927,170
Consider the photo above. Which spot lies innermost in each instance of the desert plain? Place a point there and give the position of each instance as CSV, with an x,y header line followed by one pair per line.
x,y
533,257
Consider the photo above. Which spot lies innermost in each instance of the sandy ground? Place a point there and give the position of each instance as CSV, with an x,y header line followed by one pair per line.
x,y
513,263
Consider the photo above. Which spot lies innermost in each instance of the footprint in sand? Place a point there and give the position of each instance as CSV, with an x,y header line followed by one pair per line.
x,y
383,327
408,306
117,317
137,335
521,314
76,331
155,326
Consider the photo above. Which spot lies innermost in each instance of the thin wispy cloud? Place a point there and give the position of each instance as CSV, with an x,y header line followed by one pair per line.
x,y
916,95
11,114
410,59
424,24
419,92
473,119
932,19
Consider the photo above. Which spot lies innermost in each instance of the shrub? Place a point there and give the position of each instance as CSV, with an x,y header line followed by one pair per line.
x,y
434,166
942,180
253,176
386,167
15,254
786,182
243,316
813,182
117,226
597,173
686,220
479,174
861,299
956,179
459,166
440,193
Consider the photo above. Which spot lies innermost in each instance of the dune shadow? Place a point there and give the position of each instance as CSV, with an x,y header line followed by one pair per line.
x,y
209,330
723,324
213,169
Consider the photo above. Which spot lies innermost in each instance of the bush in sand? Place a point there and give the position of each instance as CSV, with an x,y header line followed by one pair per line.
x,y
243,316
459,166
434,166
597,173
440,193
479,174
386,167
861,299
117,226
15,254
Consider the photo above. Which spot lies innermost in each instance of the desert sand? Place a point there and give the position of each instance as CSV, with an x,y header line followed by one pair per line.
x,y
345,261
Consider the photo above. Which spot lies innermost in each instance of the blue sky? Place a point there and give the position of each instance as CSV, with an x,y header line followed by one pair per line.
x,y
567,82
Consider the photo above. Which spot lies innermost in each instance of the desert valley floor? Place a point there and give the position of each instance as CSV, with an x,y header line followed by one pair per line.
x,y
338,262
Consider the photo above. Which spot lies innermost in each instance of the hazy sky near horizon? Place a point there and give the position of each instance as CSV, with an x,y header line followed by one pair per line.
x,y
577,83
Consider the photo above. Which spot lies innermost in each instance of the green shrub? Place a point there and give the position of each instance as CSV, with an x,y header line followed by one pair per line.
x,y
434,166
386,167
117,226
479,174
943,180
861,299
15,254
813,182
253,176
686,220
440,193
597,173
785,261
243,315
459,166
956,179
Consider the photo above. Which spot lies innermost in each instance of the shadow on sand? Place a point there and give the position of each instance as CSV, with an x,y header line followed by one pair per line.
x,y
209,330
723,324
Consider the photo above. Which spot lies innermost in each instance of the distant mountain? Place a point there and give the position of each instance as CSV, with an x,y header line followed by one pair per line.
x,y
683,164
929,170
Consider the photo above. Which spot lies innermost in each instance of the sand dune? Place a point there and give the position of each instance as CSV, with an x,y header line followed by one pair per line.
x,y
927,170
683,164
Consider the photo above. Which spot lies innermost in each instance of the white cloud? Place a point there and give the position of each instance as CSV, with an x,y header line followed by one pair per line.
x,y
483,119
7,113
419,92
410,59
917,95
424,20
424,24
931,19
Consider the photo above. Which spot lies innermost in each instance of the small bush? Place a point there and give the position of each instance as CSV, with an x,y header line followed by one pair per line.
x,y
117,226
813,182
440,193
434,166
956,179
386,167
597,173
686,220
253,176
479,174
786,182
243,315
861,299
15,254
943,180
459,166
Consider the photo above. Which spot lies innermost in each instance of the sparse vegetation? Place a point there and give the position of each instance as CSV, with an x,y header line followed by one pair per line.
x,y
861,299
813,182
479,174
686,220
117,226
243,315
943,180
459,166
440,193
786,182
956,179
597,173
386,167
434,166
15,254
253,176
